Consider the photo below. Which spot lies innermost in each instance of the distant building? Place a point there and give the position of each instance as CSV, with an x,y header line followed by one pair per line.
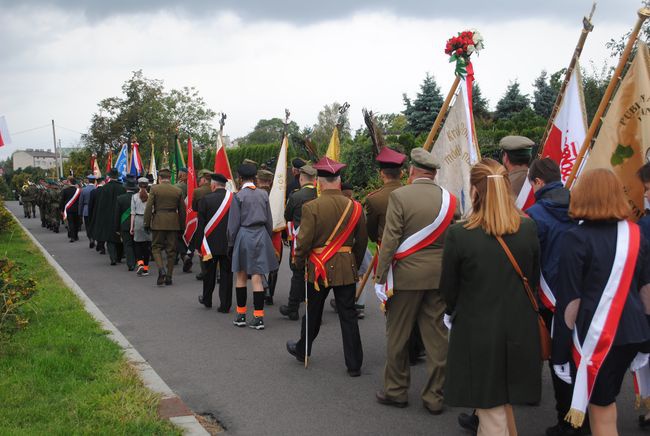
x,y
34,158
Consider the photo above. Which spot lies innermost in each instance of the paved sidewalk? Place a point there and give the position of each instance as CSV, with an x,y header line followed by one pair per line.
x,y
245,378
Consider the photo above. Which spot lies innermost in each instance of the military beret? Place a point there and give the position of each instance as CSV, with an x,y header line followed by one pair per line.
x,y
389,158
218,177
265,175
327,167
514,143
298,163
249,162
308,170
164,172
247,170
423,159
204,173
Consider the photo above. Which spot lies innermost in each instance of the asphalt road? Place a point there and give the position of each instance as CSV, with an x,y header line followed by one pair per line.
x,y
245,378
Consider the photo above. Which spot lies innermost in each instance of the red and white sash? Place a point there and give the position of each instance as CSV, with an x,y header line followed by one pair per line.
x,y
546,295
292,236
589,356
223,209
424,237
70,203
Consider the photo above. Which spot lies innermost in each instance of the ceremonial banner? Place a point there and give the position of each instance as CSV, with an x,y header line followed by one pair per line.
x,y
137,168
121,162
191,216
624,136
334,148
567,134
456,152
178,161
153,169
96,172
278,189
5,139
222,165
109,161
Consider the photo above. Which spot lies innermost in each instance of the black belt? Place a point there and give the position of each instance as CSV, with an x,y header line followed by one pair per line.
x,y
165,210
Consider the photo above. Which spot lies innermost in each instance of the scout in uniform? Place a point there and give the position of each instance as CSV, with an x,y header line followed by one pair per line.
x,y
250,227
293,214
69,206
213,212
331,243
516,155
123,220
407,280
264,181
104,228
165,216
201,191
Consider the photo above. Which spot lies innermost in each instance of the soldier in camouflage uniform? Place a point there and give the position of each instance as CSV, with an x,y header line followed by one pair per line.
x,y
40,201
27,199
54,213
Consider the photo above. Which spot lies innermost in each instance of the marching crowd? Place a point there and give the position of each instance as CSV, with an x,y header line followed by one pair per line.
x,y
487,298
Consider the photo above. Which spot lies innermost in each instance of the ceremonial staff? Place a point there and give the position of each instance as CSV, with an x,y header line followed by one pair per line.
x,y
587,27
441,115
643,14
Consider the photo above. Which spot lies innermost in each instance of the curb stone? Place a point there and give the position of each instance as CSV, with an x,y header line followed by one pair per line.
x,y
171,406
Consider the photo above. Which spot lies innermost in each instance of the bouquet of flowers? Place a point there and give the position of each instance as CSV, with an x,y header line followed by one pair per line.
x,y
461,47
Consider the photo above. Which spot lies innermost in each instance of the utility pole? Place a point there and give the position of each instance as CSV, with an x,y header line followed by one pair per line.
x,y
60,159
56,156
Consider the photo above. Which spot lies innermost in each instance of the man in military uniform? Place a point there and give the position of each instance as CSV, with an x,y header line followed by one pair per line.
x,y
212,229
41,193
123,220
416,276
181,246
26,196
69,206
165,216
105,229
182,181
84,209
201,191
54,213
293,214
294,185
516,155
332,241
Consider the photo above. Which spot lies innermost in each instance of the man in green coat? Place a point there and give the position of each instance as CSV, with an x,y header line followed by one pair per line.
x,y
165,216
416,298
104,227
123,220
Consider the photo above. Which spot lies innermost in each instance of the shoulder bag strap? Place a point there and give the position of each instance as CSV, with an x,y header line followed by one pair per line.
x,y
515,265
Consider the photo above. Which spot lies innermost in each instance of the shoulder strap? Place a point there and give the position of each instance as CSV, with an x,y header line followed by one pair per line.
x,y
515,265
338,225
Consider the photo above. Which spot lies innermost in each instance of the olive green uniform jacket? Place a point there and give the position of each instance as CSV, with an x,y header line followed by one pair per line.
x,y
376,206
410,209
494,351
165,209
318,221
517,179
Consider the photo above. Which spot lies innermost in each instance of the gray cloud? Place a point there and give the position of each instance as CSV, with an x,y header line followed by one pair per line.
x,y
305,11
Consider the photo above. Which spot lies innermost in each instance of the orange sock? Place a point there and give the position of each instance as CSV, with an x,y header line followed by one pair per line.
x,y
259,313
241,310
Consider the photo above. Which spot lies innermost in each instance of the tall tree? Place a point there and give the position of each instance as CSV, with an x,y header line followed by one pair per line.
x,y
544,96
269,132
512,102
327,119
479,103
422,112
594,84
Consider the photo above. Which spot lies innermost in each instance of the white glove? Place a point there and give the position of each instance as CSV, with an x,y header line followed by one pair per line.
x,y
563,372
380,291
640,360
447,320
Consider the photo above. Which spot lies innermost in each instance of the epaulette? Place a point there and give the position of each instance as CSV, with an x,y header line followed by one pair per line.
x,y
374,192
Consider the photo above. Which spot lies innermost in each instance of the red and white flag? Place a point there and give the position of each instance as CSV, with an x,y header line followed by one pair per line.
x,y
567,134
191,216
5,139
221,164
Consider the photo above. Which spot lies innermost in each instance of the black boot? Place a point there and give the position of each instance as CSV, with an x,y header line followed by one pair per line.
x,y
161,278
290,312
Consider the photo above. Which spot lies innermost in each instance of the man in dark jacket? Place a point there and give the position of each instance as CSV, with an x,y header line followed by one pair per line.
x,y
84,207
69,206
123,221
104,228
213,222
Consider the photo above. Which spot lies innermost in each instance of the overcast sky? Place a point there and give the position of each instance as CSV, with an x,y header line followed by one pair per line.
x,y
251,59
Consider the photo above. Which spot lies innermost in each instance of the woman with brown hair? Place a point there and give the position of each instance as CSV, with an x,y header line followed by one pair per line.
x,y
494,349
141,237
600,328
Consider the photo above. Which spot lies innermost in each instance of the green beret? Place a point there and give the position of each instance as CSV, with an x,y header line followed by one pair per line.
x,y
423,159
308,170
265,175
514,143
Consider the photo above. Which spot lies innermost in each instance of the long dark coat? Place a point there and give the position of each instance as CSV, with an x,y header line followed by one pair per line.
x,y
106,201
494,351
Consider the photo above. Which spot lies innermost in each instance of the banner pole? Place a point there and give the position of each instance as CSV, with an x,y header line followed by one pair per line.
x,y
441,115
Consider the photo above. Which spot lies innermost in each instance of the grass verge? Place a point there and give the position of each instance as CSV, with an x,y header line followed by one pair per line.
x,y
62,374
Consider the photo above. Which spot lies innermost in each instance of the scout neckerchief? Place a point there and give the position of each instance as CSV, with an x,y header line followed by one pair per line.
x,y
334,243
422,238
590,355
70,203
249,185
223,209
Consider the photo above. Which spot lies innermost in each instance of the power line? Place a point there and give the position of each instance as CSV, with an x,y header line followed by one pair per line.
x,y
29,130
71,130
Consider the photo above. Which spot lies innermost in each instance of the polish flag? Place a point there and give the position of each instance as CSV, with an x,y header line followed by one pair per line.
x,y
191,216
221,164
567,134
5,139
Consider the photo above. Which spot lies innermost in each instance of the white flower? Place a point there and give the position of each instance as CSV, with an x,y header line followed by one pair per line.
x,y
470,49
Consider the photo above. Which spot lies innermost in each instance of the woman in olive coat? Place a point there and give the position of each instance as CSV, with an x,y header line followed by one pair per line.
x,y
494,347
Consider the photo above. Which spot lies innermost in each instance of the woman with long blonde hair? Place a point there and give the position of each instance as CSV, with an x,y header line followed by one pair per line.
x,y
494,348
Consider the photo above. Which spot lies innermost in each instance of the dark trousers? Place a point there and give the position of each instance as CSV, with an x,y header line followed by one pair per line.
x,y
297,290
164,241
114,251
225,281
101,246
74,223
128,249
87,226
344,296
142,251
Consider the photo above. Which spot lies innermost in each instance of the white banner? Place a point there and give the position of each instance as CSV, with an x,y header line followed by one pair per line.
x,y
279,188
